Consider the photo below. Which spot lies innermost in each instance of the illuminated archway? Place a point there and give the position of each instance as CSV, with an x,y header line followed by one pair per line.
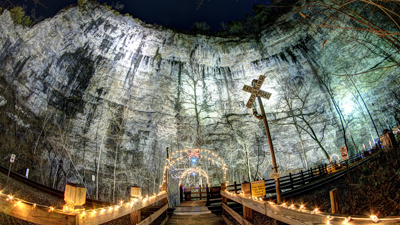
x,y
334,154
190,170
199,153
177,157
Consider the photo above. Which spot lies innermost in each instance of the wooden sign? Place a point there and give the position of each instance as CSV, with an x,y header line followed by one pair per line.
x,y
262,94
343,152
275,175
12,158
258,188
256,92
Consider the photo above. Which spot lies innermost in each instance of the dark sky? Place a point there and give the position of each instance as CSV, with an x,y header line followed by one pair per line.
x,y
180,14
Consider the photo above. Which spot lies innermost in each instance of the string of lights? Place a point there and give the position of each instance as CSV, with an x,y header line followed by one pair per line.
x,y
316,211
187,171
216,159
66,211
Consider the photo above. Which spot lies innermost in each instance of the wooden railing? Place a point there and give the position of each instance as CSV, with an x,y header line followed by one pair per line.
x,y
292,181
47,215
287,183
288,214
194,193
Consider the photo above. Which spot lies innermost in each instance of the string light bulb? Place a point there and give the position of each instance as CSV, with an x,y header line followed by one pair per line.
x,y
374,218
346,220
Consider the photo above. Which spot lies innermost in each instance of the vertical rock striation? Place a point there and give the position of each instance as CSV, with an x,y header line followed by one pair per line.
x,y
105,96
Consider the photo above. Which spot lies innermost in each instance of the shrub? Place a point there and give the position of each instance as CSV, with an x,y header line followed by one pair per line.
x,y
18,16
82,2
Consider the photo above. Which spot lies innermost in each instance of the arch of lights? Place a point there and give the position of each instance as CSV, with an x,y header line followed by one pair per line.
x,y
334,154
197,153
190,170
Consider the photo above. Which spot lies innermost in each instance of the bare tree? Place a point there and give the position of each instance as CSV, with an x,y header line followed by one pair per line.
x,y
305,109
288,88
195,99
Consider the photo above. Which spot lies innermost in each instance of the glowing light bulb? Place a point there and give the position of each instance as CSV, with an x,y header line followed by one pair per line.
x,y
374,218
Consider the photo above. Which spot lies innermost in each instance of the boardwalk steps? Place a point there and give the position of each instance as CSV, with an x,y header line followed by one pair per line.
x,y
194,213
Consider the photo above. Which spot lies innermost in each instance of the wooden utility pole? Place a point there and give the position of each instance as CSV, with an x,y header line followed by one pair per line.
x,y
256,92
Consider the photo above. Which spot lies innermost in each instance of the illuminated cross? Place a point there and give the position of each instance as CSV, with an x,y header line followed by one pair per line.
x,y
256,92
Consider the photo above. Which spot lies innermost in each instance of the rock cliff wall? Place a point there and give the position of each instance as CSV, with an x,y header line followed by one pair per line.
x,y
88,86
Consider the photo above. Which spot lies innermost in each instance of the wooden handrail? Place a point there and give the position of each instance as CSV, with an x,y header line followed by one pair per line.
x,y
154,216
293,216
42,215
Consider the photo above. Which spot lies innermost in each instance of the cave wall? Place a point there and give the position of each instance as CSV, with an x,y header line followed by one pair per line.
x,y
85,83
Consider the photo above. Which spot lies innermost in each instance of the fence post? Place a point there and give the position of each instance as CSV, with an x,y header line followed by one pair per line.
x,y
234,183
199,192
224,199
319,169
246,189
181,193
302,177
136,192
291,180
334,195
312,173
326,168
208,194
75,197
248,214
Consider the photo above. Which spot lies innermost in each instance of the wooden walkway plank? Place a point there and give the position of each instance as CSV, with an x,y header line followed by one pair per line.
x,y
194,213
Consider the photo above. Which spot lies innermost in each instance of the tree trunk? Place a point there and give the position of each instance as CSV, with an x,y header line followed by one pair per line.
x,y
98,166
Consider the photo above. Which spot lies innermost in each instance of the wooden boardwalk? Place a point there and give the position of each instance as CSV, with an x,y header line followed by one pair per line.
x,y
194,213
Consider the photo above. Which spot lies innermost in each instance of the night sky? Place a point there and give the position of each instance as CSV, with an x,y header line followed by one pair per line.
x,y
180,14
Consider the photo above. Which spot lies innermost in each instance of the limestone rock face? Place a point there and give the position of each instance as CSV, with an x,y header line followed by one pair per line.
x,y
105,95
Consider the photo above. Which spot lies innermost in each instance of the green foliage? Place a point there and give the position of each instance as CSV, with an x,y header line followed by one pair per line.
x,y
18,16
236,27
116,12
108,6
261,13
138,20
82,2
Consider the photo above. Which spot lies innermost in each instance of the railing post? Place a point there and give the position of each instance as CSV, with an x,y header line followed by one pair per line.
x,y
302,177
224,199
334,195
319,169
291,180
246,189
312,173
75,197
248,214
326,168
136,192
181,193
208,194
199,192
234,183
